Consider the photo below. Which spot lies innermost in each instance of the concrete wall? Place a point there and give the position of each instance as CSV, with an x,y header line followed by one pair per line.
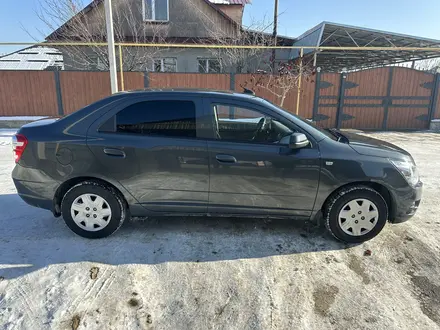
x,y
187,19
187,59
233,11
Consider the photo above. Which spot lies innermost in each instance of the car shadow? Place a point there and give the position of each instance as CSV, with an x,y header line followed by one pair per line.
x,y
32,239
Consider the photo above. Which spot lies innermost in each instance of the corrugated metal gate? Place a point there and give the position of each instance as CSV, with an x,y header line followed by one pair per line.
x,y
378,99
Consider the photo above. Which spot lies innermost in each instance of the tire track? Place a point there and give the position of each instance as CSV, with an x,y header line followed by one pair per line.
x,y
29,309
81,297
20,295
87,299
109,281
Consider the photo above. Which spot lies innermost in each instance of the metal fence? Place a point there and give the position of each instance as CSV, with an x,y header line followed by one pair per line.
x,y
381,98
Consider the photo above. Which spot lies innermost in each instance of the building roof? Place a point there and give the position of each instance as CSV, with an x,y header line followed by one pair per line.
x,y
339,35
33,58
231,2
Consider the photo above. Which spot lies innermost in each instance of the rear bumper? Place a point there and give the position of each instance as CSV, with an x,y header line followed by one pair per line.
x,y
406,205
33,188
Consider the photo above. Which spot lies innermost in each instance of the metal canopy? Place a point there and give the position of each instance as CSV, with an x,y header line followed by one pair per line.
x,y
33,58
339,35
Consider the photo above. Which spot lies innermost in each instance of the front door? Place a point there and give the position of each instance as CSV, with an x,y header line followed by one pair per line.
x,y
152,148
252,169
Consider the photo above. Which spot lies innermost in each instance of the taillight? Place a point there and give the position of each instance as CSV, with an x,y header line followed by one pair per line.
x,y
19,143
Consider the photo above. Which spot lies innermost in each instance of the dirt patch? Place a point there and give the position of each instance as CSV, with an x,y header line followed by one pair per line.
x,y
75,322
428,296
356,266
94,273
399,260
371,319
324,297
133,302
420,256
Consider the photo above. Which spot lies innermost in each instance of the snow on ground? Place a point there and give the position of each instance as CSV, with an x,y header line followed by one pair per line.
x,y
24,118
208,273
6,135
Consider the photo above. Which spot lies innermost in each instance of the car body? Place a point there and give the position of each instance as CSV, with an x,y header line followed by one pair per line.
x,y
198,152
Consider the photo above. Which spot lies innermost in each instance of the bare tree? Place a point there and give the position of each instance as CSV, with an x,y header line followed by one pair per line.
x,y
284,81
89,27
278,77
256,34
243,60
431,65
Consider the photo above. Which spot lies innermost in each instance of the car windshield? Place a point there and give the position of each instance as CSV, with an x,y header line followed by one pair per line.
x,y
311,125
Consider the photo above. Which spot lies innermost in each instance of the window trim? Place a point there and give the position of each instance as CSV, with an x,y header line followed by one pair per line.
x,y
253,107
207,59
128,101
166,131
95,63
162,64
153,11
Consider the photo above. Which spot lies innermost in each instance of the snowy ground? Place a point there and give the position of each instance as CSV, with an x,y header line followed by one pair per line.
x,y
219,273
27,118
5,136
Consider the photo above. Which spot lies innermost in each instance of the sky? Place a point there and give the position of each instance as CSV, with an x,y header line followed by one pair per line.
x,y
419,18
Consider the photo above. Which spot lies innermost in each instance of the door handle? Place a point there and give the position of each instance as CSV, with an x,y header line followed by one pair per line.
x,y
226,159
114,152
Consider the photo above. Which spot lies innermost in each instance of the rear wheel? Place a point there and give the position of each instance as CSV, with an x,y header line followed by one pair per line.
x,y
356,214
93,210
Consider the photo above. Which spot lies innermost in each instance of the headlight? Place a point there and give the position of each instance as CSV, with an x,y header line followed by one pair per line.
x,y
408,169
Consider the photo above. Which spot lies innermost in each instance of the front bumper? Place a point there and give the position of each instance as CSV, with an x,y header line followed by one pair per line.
x,y
406,205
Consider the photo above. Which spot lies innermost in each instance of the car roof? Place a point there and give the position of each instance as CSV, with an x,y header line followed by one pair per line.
x,y
192,92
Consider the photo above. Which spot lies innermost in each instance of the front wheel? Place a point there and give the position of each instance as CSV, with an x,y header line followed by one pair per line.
x,y
356,214
93,210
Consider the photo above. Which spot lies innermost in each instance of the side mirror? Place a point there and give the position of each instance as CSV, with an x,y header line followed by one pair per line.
x,y
298,140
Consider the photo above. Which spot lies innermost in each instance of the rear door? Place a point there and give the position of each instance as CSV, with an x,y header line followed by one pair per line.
x,y
254,173
151,146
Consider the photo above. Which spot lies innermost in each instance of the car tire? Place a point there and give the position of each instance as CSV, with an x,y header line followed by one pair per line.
x,y
355,214
93,210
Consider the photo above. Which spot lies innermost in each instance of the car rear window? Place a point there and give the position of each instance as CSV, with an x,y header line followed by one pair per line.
x,y
163,118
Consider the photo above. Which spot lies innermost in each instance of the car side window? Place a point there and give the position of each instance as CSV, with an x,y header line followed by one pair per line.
x,y
161,118
247,125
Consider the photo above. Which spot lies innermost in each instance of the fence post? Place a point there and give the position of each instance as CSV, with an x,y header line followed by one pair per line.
x,y
232,88
121,68
434,97
58,91
298,95
146,79
341,100
316,95
232,81
388,100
